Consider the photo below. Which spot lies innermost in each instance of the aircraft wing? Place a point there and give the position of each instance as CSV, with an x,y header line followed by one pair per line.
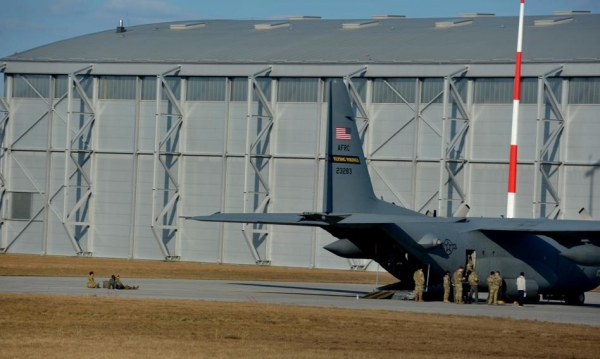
x,y
560,230
320,219
375,219
314,219
536,225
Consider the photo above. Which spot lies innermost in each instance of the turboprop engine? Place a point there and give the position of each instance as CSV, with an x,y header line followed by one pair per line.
x,y
585,255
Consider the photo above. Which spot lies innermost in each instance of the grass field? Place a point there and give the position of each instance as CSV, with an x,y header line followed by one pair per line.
x,y
55,266
40,326
37,326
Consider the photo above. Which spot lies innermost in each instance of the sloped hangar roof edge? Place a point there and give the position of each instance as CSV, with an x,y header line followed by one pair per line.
x,y
489,40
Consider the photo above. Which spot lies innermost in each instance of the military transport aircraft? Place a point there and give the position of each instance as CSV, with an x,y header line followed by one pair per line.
x,y
561,258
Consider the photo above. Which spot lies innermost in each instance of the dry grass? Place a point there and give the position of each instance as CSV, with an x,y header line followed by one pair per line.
x,y
40,326
55,266
36,326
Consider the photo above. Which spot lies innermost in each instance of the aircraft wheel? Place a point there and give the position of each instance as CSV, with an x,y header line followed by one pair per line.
x,y
575,298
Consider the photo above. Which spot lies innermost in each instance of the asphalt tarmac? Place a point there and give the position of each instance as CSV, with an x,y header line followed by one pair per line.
x,y
307,294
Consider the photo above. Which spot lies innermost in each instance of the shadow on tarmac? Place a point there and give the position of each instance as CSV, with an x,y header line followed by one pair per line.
x,y
354,292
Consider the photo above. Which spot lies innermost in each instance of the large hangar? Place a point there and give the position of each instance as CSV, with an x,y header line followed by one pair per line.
x,y
110,139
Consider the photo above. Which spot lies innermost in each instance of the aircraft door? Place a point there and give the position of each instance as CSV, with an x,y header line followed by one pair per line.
x,y
471,261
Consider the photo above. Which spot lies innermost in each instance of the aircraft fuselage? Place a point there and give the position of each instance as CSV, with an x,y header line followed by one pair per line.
x,y
559,257
399,249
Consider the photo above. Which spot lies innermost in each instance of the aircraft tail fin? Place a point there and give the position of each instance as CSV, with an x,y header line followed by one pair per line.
x,y
348,187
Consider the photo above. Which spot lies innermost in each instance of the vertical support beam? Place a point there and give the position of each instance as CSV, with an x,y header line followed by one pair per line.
x,y
368,142
536,161
253,152
92,158
224,164
155,191
415,157
469,146
66,176
358,102
317,204
247,159
368,104
180,159
546,196
135,165
5,156
564,145
84,151
444,147
51,99
455,144
272,139
167,153
79,150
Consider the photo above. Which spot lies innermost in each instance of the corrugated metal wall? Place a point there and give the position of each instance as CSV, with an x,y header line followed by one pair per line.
x,y
210,149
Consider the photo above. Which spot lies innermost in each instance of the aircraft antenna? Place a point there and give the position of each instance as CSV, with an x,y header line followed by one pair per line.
x,y
512,167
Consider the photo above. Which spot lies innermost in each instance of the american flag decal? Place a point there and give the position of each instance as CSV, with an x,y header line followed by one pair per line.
x,y
343,133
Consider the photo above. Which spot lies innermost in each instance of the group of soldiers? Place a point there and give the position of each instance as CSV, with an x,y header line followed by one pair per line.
x,y
113,283
494,282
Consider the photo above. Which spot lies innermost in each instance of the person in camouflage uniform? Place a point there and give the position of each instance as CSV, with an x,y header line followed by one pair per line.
x,y
419,279
120,285
91,283
470,265
473,280
112,282
492,289
458,289
498,281
447,287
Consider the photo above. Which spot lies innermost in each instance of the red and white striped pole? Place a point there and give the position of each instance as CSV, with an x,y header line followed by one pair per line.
x,y
512,167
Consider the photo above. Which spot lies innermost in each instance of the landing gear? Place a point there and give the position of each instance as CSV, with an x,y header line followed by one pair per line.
x,y
575,298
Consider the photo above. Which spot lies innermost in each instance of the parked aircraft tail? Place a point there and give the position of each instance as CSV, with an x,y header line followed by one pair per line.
x,y
348,197
348,187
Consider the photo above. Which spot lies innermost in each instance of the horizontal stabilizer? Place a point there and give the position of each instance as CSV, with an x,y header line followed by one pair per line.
x,y
292,219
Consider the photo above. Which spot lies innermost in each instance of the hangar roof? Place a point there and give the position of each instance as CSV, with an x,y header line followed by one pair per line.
x,y
568,38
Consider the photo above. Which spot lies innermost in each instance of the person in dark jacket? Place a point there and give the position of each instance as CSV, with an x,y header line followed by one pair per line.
x,y
112,283
120,285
